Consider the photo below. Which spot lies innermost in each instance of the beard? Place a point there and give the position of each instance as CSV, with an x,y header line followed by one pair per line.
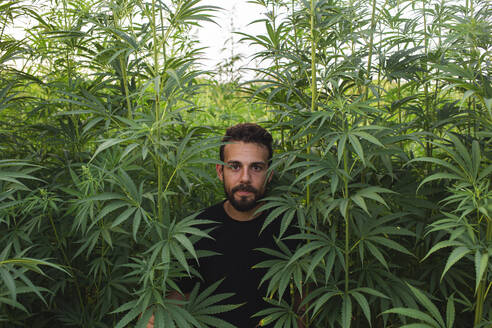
x,y
244,204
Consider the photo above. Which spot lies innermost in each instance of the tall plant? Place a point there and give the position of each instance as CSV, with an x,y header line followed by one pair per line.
x,y
342,173
106,143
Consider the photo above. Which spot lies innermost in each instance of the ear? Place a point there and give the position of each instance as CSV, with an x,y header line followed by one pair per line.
x,y
219,168
270,176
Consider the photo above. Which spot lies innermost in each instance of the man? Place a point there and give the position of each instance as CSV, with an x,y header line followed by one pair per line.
x,y
236,236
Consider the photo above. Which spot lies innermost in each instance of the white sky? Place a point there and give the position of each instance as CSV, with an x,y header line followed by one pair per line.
x,y
236,16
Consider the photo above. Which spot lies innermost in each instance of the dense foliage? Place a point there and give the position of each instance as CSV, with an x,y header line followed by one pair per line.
x,y
382,112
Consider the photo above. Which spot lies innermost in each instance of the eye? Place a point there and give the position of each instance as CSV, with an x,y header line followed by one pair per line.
x,y
234,166
257,167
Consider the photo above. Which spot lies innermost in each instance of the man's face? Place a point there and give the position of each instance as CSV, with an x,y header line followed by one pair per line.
x,y
245,174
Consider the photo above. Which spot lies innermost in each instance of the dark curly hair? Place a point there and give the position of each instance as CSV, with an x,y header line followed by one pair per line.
x,y
248,132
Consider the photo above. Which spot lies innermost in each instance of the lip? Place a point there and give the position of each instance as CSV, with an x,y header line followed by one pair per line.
x,y
243,193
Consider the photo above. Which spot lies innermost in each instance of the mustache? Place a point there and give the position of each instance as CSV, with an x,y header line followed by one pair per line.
x,y
244,187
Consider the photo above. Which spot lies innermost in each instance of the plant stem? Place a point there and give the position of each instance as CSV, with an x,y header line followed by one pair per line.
x,y
480,298
67,262
163,40
157,104
371,45
314,91
347,232
427,120
347,212
171,178
124,76
125,86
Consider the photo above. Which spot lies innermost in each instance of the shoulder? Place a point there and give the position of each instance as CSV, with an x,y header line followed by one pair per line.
x,y
211,217
215,212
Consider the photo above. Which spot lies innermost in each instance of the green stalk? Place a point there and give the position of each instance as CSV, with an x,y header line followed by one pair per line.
x,y
347,232
171,178
352,40
296,44
347,212
124,75
475,57
314,91
158,114
70,78
371,44
163,39
426,86
380,68
398,89
481,292
439,39
125,86
2,30
67,262
156,65
479,299
314,96
157,87
469,13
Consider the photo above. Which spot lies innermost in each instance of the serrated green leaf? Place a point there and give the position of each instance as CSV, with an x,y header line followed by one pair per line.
x,y
415,314
457,254
112,206
377,254
357,147
346,311
481,263
450,312
186,243
427,304
9,282
364,305
136,223
123,217
439,176
13,303
106,144
128,317
357,199
442,244
319,302
390,244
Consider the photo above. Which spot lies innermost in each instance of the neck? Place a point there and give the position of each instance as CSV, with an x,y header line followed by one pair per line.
x,y
238,215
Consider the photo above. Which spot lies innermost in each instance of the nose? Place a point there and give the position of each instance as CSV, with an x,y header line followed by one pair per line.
x,y
245,175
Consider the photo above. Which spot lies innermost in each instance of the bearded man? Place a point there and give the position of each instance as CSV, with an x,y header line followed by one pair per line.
x,y
247,154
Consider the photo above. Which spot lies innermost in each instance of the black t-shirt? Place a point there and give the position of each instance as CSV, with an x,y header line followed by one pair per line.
x,y
237,243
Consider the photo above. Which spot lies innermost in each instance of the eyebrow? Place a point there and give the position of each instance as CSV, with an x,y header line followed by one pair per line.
x,y
238,162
